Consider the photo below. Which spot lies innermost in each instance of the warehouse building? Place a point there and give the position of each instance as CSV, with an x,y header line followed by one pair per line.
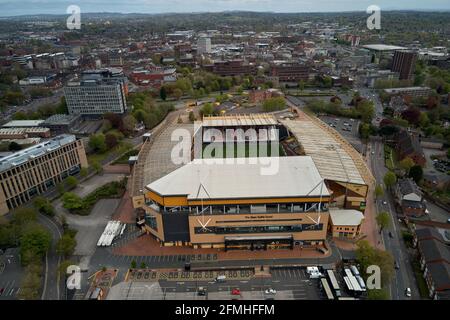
x,y
215,204
34,170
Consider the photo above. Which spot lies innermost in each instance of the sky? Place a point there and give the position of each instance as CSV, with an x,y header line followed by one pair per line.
x,y
25,7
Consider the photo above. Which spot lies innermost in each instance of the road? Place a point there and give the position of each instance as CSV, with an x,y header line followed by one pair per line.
x,y
52,287
403,277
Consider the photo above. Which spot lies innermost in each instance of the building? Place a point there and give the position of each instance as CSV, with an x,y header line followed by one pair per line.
x,y
290,72
97,92
404,63
410,198
23,124
345,223
231,68
226,205
34,170
62,123
204,45
408,145
24,133
257,96
434,255
409,91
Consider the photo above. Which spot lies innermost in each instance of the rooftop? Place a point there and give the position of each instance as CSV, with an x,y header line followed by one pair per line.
x,y
346,217
295,177
23,123
382,47
40,149
235,120
332,160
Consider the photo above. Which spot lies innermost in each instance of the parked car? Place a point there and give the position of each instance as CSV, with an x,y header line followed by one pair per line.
x,y
221,278
236,292
390,235
270,291
396,265
384,202
201,291
408,292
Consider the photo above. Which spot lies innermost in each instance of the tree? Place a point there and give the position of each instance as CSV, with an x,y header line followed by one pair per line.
x,y
273,104
129,123
366,255
84,172
191,116
60,188
378,294
364,130
97,142
133,264
97,166
207,109
177,93
163,93
111,140
406,164
44,206
379,192
71,182
14,146
416,172
412,115
390,179
383,220
35,241
23,216
71,201
66,245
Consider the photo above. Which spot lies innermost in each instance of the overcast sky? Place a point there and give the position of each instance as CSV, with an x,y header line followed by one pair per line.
x,y
21,7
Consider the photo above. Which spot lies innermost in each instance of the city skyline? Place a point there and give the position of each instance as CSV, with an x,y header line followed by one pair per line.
x,y
33,7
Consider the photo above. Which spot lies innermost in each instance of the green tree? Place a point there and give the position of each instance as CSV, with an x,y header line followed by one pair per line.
x,y
84,172
406,164
22,216
133,264
97,142
379,191
366,255
207,109
378,294
71,201
35,241
71,182
383,220
66,245
273,104
129,123
390,179
364,130
97,166
44,206
416,172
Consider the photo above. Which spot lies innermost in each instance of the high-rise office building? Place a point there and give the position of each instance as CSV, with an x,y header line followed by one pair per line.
x,y
34,170
97,92
204,45
403,63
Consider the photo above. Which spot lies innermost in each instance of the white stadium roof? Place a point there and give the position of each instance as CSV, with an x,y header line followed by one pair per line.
x,y
294,177
383,47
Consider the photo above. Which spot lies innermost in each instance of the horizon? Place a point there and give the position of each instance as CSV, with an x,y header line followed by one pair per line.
x,y
11,9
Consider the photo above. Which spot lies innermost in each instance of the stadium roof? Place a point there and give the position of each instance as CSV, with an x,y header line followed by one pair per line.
x,y
23,123
209,179
332,160
240,120
346,217
383,47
